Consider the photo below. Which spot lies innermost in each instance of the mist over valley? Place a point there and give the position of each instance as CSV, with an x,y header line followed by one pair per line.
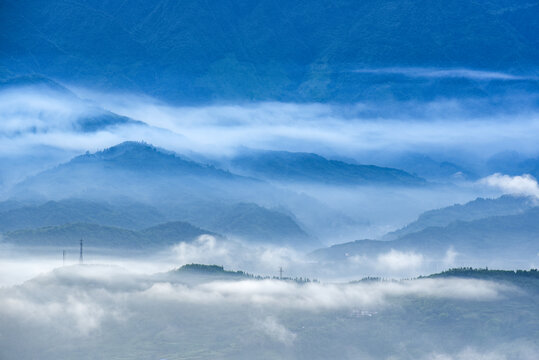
x,y
269,180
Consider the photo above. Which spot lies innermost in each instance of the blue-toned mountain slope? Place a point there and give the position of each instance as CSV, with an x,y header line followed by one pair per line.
x,y
300,50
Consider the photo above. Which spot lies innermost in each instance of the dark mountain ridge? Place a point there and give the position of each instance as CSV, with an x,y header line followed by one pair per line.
x,y
300,167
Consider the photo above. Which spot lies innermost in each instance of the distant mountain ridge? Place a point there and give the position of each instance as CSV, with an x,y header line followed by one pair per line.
x,y
246,219
140,222
99,236
36,82
126,169
242,205
312,168
477,209
503,233
425,166
86,117
129,215
144,157
513,163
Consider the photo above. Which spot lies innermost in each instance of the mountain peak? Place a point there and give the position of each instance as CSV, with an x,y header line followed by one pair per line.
x,y
133,146
130,150
35,81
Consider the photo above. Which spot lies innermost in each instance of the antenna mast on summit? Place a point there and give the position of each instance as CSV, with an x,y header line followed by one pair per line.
x,y
80,257
280,273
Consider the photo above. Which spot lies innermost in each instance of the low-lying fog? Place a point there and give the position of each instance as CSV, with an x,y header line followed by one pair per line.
x,y
71,311
21,264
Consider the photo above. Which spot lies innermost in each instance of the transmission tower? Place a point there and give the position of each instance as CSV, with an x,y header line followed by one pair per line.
x,y
80,257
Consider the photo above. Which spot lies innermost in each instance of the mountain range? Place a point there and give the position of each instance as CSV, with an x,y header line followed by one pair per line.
x,y
513,163
16,215
237,198
303,50
127,223
486,229
479,208
131,169
134,186
100,236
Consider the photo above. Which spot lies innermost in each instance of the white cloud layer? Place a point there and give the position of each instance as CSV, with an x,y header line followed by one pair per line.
x,y
87,309
265,259
518,185
333,128
31,119
86,295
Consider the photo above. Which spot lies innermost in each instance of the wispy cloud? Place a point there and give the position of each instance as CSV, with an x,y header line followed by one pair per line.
x,y
32,119
396,260
263,259
517,350
275,330
436,73
344,129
